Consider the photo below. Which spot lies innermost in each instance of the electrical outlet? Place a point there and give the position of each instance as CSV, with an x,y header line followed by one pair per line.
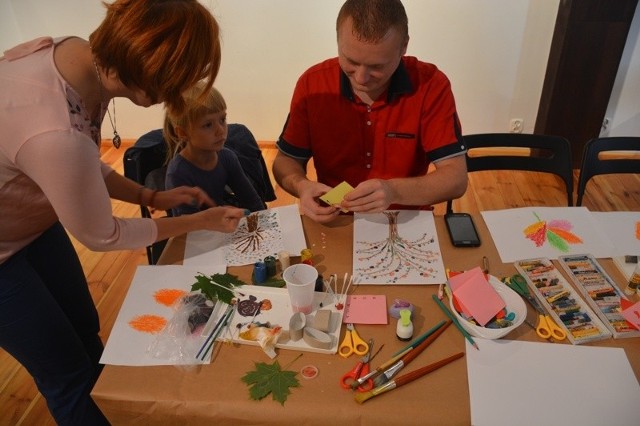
x,y
516,125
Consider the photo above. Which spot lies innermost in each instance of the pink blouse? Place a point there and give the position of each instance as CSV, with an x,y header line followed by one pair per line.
x,y
50,167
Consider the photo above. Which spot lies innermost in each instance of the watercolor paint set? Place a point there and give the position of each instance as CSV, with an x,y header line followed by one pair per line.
x,y
561,301
600,292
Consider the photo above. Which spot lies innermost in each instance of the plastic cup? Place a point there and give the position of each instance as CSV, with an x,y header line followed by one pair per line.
x,y
301,282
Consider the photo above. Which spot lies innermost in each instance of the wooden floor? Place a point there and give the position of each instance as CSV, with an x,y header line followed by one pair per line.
x,y
109,274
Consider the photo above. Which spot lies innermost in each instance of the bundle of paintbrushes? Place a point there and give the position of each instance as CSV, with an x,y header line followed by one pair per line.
x,y
383,375
213,333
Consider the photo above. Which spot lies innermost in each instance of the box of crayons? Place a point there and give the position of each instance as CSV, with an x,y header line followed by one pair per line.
x,y
561,301
600,292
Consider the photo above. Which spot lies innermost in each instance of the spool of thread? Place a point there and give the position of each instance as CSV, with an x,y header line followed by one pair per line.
x,y
283,257
259,272
306,256
270,263
634,282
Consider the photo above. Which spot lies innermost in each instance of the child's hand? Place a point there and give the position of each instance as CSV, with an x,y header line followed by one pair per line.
x,y
222,219
193,196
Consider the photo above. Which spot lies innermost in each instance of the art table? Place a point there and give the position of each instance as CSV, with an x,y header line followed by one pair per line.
x,y
214,393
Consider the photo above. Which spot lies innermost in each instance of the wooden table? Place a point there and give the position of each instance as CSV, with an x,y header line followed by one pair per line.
x,y
214,393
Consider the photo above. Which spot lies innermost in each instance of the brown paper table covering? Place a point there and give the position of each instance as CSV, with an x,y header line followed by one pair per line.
x,y
214,394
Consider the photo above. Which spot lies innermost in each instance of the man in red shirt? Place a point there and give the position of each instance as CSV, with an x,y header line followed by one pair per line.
x,y
374,118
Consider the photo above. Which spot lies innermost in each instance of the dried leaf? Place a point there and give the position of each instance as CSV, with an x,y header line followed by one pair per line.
x,y
270,379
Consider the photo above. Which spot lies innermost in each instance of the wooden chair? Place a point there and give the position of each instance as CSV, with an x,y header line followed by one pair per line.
x,y
599,158
544,153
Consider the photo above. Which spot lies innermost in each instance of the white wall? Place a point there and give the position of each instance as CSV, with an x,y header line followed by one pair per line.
x,y
494,52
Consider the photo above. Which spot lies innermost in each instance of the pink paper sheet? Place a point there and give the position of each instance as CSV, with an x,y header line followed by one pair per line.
x,y
365,309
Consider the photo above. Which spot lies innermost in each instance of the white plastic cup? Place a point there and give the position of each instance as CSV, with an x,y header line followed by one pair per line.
x,y
301,282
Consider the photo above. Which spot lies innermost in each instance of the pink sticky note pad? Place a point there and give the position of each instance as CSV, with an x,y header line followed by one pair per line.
x,y
631,312
458,281
477,297
365,309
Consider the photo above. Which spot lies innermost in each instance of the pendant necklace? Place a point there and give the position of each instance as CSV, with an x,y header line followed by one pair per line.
x,y
116,137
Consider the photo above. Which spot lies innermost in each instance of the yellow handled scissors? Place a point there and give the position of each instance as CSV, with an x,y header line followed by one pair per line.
x,y
547,327
352,343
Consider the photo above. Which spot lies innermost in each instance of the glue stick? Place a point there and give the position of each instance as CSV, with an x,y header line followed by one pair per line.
x,y
634,281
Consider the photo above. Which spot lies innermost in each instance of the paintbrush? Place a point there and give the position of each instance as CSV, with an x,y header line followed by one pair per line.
x,y
407,378
410,356
357,383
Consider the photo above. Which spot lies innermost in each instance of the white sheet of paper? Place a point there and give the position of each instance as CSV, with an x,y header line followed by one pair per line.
x,y
127,346
507,230
408,253
620,227
208,247
528,383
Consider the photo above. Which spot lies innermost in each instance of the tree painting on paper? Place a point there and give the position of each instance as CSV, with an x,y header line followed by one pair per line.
x,y
393,258
556,232
256,237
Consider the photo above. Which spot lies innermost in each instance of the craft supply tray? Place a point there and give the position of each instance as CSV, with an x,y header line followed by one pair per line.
x,y
561,301
277,312
600,292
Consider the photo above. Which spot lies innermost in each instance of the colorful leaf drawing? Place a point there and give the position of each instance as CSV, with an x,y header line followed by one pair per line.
x,y
536,232
557,232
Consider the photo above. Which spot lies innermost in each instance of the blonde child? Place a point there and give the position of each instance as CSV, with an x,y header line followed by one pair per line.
x,y
196,141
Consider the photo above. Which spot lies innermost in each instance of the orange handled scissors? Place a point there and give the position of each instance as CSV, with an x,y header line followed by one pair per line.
x,y
352,343
361,369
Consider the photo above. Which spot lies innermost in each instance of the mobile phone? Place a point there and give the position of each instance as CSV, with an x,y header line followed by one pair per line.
x,y
462,230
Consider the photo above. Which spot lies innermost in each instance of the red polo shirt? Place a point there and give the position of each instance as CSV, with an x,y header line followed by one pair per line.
x,y
413,123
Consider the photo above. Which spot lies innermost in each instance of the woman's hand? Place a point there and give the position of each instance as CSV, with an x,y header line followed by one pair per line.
x,y
222,219
165,200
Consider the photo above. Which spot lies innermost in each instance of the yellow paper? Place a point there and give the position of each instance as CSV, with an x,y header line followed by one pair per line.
x,y
335,196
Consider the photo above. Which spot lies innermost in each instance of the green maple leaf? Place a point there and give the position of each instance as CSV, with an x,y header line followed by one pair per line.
x,y
217,286
270,379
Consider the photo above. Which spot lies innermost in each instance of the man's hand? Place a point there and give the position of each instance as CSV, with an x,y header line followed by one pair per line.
x,y
371,196
309,192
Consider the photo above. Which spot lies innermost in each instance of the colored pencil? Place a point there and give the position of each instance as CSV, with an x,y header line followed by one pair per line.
x,y
407,378
452,317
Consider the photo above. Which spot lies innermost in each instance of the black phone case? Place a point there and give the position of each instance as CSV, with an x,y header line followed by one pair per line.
x,y
466,242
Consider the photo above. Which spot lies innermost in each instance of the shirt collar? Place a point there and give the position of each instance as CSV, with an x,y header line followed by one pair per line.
x,y
399,84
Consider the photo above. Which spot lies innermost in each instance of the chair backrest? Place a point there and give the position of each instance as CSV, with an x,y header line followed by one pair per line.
x,y
241,141
595,164
548,154
144,163
147,155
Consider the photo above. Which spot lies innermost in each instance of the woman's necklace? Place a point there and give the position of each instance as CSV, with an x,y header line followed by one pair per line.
x,y
116,137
